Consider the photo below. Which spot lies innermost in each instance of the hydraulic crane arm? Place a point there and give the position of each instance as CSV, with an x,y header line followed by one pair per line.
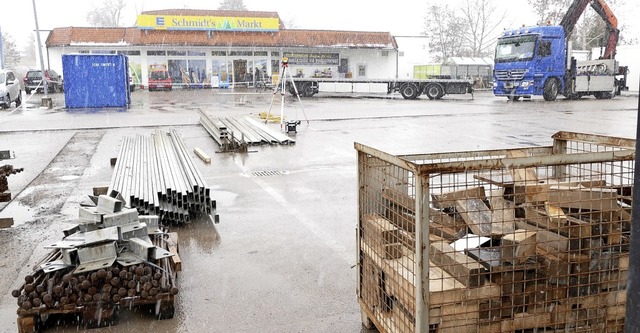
x,y
575,11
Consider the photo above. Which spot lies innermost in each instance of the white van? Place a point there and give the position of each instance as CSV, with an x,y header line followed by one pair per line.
x,y
9,89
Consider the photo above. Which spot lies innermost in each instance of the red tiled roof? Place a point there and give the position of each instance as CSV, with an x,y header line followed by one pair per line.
x,y
284,38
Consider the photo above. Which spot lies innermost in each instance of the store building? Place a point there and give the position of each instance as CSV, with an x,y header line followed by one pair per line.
x,y
229,48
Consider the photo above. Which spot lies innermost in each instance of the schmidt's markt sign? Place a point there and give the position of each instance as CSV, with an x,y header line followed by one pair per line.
x,y
218,23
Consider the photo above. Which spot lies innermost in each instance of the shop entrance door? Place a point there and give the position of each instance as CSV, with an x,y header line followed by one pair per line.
x,y
240,72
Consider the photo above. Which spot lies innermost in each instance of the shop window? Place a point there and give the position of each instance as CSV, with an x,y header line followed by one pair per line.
x,y
156,53
130,53
177,53
102,52
362,70
196,53
177,70
219,53
196,75
241,53
343,68
220,75
275,66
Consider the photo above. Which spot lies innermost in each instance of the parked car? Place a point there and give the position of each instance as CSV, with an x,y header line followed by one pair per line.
x,y
160,80
33,81
9,89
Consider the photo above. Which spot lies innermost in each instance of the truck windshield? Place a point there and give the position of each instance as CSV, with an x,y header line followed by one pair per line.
x,y
518,48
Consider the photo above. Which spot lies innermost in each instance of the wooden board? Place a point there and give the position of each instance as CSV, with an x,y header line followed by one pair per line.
x,y
448,200
172,247
202,155
522,175
6,222
462,267
383,237
479,218
516,248
598,199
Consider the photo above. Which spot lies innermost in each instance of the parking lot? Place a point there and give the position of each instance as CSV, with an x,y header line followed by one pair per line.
x,y
283,257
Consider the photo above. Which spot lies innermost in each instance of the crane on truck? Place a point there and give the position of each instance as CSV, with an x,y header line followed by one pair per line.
x,y
538,60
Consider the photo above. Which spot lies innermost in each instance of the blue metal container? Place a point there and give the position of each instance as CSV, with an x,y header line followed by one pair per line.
x,y
96,80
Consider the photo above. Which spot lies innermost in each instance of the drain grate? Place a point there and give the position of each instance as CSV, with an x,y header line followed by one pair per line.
x,y
268,173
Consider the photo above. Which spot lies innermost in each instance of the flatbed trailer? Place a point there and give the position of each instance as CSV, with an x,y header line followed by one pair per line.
x,y
408,88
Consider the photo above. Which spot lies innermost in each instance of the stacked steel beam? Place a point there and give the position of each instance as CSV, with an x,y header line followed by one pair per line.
x,y
239,132
156,175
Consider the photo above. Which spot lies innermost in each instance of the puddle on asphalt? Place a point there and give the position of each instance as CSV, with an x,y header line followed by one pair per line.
x,y
224,198
70,177
201,233
19,212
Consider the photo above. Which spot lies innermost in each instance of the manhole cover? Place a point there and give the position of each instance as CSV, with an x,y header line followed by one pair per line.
x,y
268,173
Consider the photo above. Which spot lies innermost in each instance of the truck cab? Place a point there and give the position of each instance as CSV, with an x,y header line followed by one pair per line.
x,y
530,61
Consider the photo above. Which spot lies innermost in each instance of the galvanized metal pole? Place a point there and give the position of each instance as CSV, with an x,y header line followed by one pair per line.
x,y
35,16
632,319
422,254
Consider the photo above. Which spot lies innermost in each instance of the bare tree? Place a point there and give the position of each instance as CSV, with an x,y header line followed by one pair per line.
x,y
232,5
550,11
482,18
467,31
444,30
107,15
11,54
590,29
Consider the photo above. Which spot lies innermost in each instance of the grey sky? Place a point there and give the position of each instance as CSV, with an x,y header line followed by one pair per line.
x,y
401,18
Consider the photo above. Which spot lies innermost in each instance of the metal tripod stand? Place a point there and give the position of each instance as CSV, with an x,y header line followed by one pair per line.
x,y
281,86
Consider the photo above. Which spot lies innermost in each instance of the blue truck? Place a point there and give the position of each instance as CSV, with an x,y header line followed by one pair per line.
x,y
534,61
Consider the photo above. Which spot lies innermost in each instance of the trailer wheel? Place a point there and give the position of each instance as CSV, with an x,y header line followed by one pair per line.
x,y
550,91
603,95
434,91
306,90
409,91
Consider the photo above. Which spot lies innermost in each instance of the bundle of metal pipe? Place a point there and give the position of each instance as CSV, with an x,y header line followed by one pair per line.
x,y
114,284
156,175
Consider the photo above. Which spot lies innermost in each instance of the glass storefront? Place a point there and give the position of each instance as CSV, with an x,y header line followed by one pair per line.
x,y
193,69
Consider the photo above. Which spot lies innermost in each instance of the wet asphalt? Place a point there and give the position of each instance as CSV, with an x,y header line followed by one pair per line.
x,y
282,258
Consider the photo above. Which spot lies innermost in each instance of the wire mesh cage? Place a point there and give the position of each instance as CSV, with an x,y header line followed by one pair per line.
x,y
531,239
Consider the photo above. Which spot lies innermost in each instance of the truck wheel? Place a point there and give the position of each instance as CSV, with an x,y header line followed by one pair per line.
x,y
550,91
434,91
409,91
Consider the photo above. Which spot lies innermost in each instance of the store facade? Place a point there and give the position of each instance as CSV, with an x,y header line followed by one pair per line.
x,y
203,48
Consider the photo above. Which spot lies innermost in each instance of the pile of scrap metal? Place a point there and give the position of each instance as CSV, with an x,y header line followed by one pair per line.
x,y
6,171
111,258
